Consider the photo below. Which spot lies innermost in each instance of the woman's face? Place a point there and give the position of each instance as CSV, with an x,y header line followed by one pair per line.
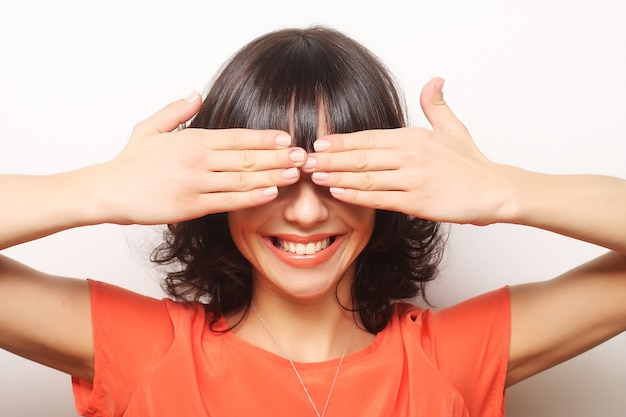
x,y
303,242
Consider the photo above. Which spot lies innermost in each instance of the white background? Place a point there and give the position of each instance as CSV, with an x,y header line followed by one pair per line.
x,y
539,84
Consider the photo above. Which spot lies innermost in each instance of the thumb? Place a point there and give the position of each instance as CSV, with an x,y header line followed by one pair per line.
x,y
437,111
171,116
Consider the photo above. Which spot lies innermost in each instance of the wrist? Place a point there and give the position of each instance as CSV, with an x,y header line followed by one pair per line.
x,y
78,195
40,205
515,190
536,199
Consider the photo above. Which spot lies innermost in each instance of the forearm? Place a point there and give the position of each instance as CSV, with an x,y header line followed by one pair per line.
x,y
591,208
37,206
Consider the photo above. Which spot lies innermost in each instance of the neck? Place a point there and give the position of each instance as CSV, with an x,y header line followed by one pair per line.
x,y
308,330
313,352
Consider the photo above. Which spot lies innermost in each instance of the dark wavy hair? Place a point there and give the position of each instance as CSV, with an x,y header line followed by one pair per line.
x,y
281,80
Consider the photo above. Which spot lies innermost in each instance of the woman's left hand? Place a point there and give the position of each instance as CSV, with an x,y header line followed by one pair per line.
x,y
434,174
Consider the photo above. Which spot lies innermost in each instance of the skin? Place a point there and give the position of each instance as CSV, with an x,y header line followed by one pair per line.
x,y
443,177
289,286
302,214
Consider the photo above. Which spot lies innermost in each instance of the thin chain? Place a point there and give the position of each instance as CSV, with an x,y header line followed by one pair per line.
x,y
293,365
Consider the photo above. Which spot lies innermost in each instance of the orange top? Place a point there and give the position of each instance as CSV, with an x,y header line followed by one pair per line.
x,y
159,358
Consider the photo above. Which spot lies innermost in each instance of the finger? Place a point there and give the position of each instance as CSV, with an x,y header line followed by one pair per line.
x,y
248,160
437,111
381,200
359,160
366,181
365,139
232,200
171,116
242,138
247,181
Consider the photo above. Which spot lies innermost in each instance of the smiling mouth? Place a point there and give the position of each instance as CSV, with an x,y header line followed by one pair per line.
x,y
296,248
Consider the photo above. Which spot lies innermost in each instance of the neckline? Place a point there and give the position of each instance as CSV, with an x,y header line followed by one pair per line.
x,y
379,340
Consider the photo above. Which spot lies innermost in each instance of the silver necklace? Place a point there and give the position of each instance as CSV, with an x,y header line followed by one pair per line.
x,y
284,352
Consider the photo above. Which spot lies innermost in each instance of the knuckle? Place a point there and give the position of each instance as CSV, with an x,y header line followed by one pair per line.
x,y
367,181
229,201
323,162
376,199
337,177
369,139
247,158
338,143
281,156
243,181
360,159
273,177
140,128
235,138
192,162
416,179
415,156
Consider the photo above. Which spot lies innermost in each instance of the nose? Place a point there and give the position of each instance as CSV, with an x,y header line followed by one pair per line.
x,y
305,203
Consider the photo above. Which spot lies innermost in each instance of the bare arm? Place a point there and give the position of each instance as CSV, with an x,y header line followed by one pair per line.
x,y
585,207
46,319
561,318
160,177
37,206
556,320
442,176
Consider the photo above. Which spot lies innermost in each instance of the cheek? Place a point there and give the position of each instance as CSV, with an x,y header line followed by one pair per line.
x,y
244,226
240,225
366,214
246,220
363,221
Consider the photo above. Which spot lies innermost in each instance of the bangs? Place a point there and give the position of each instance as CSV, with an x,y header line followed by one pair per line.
x,y
300,81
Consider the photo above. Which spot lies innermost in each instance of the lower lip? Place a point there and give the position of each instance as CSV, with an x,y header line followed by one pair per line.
x,y
305,261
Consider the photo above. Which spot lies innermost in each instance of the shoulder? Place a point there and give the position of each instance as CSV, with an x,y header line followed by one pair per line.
x,y
114,307
478,320
468,343
132,328
133,334
490,303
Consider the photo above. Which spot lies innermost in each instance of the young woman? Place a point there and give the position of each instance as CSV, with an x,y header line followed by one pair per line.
x,y
302,213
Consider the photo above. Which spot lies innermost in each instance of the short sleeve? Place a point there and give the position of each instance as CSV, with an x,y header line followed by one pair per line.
x,y
131,333
470,344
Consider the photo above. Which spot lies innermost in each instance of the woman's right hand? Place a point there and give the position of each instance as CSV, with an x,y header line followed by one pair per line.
x,y
161,176
166,176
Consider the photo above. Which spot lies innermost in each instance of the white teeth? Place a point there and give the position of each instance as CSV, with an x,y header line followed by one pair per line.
x,y
310,248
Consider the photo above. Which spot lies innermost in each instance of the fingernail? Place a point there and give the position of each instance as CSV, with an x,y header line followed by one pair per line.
x,y
290,173
439,85
337,191
283,140
270,191
310,163
321,145
319,176
193,96
297,155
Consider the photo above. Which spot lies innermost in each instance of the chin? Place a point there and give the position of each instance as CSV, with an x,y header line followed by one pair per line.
x,y
306,284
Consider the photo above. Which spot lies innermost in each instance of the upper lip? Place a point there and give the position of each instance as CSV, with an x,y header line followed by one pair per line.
x,y
302,239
